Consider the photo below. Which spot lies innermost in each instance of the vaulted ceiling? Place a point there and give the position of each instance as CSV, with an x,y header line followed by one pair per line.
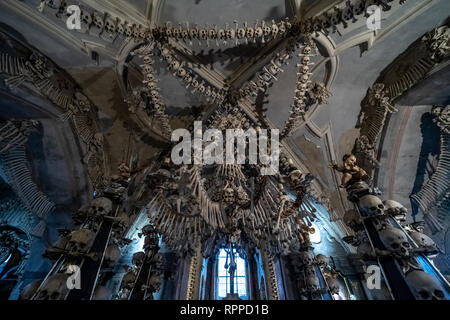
x,y
351,61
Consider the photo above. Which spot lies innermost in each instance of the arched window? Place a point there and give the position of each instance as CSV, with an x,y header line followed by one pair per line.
x,y
223,284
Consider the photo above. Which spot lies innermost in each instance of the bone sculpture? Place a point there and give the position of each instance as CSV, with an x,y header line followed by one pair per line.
x,y
182,71
145,277
108,27
402,246
227,202
299,107
435,191
26,66
14,165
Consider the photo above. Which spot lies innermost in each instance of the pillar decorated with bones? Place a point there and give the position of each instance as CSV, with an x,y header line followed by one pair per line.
x,y
381,237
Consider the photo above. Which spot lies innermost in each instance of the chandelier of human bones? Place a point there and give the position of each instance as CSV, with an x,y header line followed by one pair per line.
x,y
235,202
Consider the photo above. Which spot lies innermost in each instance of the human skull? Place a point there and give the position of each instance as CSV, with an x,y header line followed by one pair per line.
x,y
212,34
371,205
98,21
128,280
352,219
101,293
281,27
110,25
138,258
154,282
295,177
424,286
100,207
203,34
333,285
86,18
306,258
80,241
177,32
267,30
259,32
55,288
241,33
359,8
395,209
193,33
249,32
169,32
128,30
305,60
28,292
322,260
112,255
306,50
365,251
396,241
150,242
274,28
423,241
312,283
228,195
221,34
157,261
148,229
230,33
120,28
304,78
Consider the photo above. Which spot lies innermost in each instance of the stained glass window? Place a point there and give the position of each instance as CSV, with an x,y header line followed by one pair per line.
x,y
223,277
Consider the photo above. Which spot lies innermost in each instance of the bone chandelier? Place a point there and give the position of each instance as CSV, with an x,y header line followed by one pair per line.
x,y
193,204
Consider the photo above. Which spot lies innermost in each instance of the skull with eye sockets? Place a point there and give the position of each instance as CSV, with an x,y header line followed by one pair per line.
x,y
371,205
396,241
424,286
241,33
54,288
249,32
230,33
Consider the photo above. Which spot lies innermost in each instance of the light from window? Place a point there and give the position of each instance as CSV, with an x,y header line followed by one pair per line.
x,y
315,237
223,277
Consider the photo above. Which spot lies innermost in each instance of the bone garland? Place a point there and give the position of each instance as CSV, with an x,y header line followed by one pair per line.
x,y
340,15
262,80
377,107
95,23
299,107
108,27
436,190
181,70
368,150
150,82
259,32
13,137
41,73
